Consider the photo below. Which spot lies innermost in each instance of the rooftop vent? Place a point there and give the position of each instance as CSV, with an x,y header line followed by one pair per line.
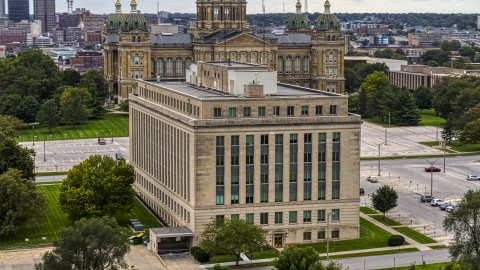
x,y
167,34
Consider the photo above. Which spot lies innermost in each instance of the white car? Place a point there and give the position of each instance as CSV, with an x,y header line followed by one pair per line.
x,y
372,178
472,177
452,207
437,202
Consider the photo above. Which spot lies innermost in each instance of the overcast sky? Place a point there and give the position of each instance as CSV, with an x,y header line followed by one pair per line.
x,y
255,6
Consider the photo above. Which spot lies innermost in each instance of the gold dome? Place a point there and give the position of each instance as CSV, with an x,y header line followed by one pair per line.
x,y
327,3
134,1
298,3
118,2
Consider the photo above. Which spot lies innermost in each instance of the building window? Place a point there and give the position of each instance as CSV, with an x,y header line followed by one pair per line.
x,y
253,58
264,58
220,160
246,112
335,214
288,65
188,62
278,217
297,65
261,111
232,112
264,218
321,216
280,65
293,138
243,57
292,217
233,56
178,66
306,84
220,177
321,235
227,14
249,139
222,57
249,159
208,56
318,110
307,236
306,65
291,111
279,158
249,218
169,66
305,110
217,112
160,67
234,160
235,217
215,13
235,140
276,111
336,234
279,139
333,109
307,216
264,140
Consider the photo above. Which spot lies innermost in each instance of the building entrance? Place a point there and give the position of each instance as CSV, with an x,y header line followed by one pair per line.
x,y
278,240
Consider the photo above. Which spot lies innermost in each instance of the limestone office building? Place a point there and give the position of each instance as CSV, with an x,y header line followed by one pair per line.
x,y
229,141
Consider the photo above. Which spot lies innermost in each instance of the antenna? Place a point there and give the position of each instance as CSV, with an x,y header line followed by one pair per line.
x,y
264,51
306,6
158,12
70,6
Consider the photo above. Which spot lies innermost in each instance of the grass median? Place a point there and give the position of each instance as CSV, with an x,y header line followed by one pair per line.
x,y
56,219
433,266
104,127
420,238
456,146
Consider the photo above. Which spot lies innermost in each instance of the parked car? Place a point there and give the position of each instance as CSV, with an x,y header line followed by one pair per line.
x,y
362,191
118,155
426,198
472,177
444,206
372,178
102,141
451,207
437,202
432,169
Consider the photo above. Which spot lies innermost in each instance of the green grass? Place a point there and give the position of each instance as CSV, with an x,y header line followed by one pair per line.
x,y
455,145
371,236
51,173
429,118
377,121
438,247
373,253
433,266
89,129
387,221
56,219
422,239
367,210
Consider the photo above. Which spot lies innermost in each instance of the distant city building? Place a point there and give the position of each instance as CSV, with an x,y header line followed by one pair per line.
x,y
18,10
86,60
43,41
67,20
478,22
392,64
3,51
8,36
164,28
163,14
44,10
426,39
2,8
93,28
371,31
378,40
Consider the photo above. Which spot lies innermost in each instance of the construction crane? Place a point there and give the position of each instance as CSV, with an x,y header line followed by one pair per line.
x,y
70,6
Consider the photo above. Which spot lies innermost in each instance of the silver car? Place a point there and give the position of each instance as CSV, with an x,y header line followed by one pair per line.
x,y
472,177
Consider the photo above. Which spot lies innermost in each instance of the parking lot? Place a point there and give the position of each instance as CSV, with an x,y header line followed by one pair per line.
x,y
414,182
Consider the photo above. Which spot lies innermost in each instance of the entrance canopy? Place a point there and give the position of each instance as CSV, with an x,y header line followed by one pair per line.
x,y
167,232
171,239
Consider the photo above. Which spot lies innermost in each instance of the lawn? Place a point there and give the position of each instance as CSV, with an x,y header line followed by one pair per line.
x,y
371,236
50,173
373,253
271,253
419,266
455,145
367,210
422,239
95,128
429,118
387,221
377,121
55,219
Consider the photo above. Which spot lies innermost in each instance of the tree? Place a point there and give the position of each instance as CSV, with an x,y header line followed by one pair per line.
x,y
353,102
10,125
225,236
471,133
423,97
375,81
364,69
363,103
296,258
124,106
15,156
466,51
20,201
431,63
365,42
391,40
73,105
49,114
406,111
90,244
463,224
99,186
70,77
384,199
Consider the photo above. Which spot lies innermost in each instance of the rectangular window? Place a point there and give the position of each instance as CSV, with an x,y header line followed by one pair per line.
x,y
249,218
234,179
335,214
279,139
220,200
263,218
276,111
264,139
335,190
249,198
220,180
304,110
220,160
336,234
234,199
278,158
292,217
336,137
321,235
293,157
322,137
235,217
217,112
220,141
333,109
321,189
318,110
246,112
307,236
232,112
249,139
307,216
264,159
264,178
249,179
249,159
307,138
293,138
293,195
291,111
278,217
307,157
321,216
235,140
261,111
234,160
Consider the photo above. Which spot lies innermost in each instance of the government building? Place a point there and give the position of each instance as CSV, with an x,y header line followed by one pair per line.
x,y
308,54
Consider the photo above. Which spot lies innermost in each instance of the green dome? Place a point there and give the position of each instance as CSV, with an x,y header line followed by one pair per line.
x,y
298,20
113,21
133,21
327,21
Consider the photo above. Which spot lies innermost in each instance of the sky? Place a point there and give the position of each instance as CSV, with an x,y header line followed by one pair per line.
x,y
255,6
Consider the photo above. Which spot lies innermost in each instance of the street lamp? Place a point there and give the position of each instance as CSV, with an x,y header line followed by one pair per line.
x,y
328,230
431,174
379,144
44,159
65,135
111,131
444,150
34,140
388,119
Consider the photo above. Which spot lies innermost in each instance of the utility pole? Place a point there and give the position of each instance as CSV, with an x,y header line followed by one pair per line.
x,y
431,174
444,150
44,159
386,141
379,144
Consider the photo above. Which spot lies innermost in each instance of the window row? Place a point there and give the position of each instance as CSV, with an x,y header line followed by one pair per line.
x,y
166,100
279,139
222,14
296,64
276,111
292,218
169,66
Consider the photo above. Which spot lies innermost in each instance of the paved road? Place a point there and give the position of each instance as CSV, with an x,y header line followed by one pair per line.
x,y
384,261
54,178
450,185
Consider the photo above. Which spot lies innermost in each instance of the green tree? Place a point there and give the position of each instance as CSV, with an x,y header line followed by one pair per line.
x,y
363,103
11,125
451,266
49,114
352,80
373,82
391,40
20,201
406,110
466,51
436,43
463,224
70,77
423,97
98,186
296,258
353,102
73,105
384,199
380,103
431,63
90,244
364,69
124,106
471,133
15,156
225,236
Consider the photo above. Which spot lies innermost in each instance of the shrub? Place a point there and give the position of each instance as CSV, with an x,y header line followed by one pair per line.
x,y
124,106
201,255
219,267
396,240
193,249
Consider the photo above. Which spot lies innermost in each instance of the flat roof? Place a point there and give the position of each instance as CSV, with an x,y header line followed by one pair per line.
x,y
201,92
172,231
236,64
